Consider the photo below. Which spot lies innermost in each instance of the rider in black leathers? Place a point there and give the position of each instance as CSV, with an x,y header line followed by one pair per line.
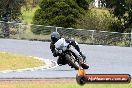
x,y
55,36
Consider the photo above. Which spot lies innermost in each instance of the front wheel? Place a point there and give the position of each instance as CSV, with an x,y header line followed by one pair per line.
x,y
71,62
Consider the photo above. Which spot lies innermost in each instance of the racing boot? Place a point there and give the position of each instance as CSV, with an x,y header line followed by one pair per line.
x,y
84,65
83,56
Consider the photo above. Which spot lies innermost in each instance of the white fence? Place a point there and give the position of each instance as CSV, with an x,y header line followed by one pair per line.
x,y
42,33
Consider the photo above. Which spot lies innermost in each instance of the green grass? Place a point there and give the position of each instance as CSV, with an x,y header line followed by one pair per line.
x,y
31,36
28,14
101,10
58,84
9,61
73,86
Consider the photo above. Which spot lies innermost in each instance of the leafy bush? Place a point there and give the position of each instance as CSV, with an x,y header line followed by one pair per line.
x,y
60,13
92,20
57,13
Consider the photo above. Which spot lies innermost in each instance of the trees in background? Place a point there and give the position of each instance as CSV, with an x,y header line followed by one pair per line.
x,y
83,3
62,13
30,4
122,9
96,20
68,13
10,10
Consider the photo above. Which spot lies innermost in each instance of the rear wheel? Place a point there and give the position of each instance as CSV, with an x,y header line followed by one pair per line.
x,y
71,61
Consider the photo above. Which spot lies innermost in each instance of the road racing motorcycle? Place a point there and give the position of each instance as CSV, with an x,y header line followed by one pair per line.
x,y
70,55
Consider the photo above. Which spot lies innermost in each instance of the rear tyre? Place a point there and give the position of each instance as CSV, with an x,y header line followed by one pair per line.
x,y
70,62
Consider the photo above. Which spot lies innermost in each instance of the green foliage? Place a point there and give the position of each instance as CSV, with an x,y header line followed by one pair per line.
x,y
57,13
27,15
95,21
122,9
11,8
83,3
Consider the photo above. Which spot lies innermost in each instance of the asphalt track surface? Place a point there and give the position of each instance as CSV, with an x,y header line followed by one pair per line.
x,y
101,59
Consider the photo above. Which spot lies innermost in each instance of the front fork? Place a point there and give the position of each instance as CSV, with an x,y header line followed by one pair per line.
x,y
77,54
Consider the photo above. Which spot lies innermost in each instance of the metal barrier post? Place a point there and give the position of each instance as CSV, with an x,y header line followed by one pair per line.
x,y
19,31
131,39
19,28
92,36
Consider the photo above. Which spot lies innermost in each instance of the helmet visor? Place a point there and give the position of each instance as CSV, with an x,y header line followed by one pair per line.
x,y
54,40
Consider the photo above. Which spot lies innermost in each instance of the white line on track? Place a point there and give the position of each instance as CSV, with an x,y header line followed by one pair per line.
x,y
49,64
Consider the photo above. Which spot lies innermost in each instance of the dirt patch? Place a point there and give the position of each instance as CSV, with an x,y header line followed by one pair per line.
x,y
34,83
45,81
58,81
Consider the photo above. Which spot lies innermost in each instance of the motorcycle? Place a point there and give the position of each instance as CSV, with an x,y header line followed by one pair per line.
x,y
70,55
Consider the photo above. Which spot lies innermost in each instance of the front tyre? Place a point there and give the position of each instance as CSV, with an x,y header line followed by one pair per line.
x,y
81,80
70,62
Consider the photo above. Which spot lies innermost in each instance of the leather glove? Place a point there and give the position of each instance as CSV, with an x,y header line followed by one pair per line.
x,y
55,53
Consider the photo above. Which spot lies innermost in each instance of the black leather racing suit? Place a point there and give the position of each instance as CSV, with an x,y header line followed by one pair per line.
x,y
60,60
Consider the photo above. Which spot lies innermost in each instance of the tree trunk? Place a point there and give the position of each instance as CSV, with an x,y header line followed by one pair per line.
x,y
5,28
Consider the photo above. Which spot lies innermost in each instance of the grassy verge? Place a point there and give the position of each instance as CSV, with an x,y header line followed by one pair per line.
x,y
28,14
57,84
100,11
9,61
